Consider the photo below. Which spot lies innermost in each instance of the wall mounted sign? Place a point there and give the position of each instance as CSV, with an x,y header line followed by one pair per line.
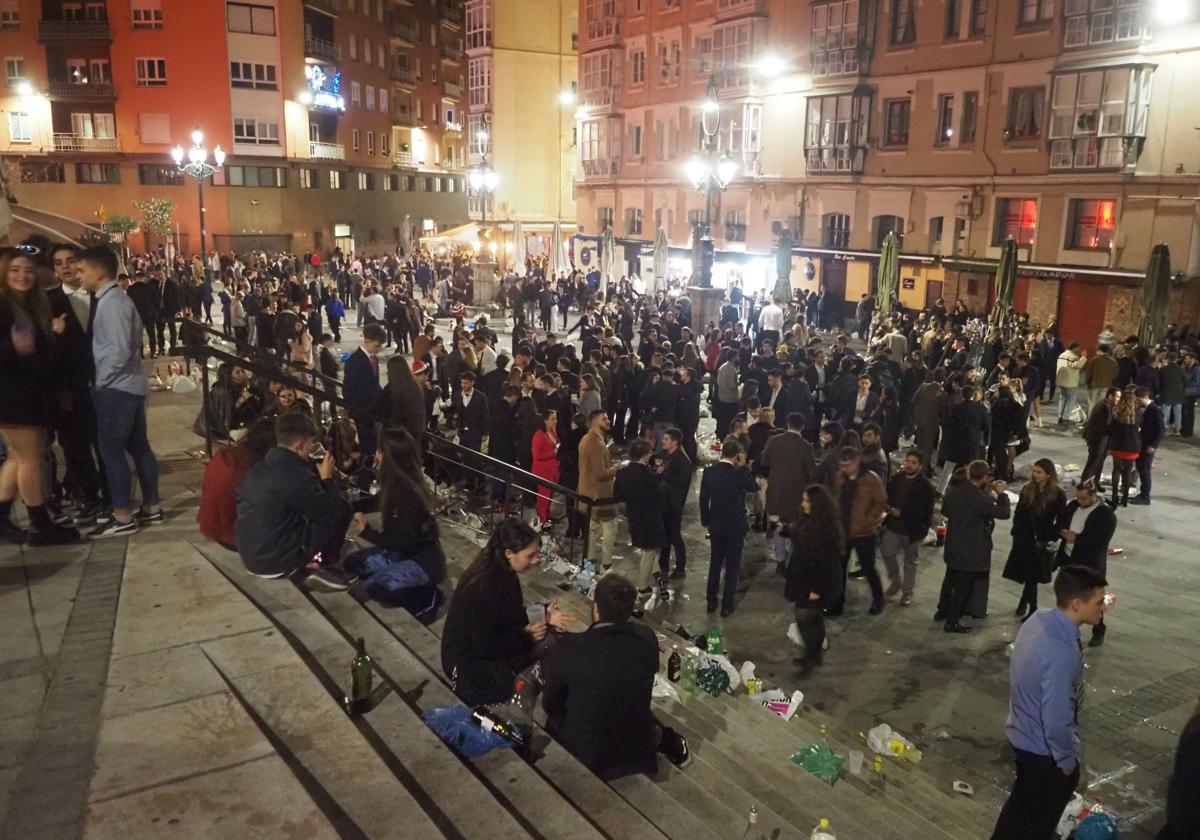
x,y
325,88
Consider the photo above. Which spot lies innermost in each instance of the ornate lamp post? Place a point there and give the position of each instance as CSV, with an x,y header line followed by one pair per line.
x,y
482,178
709,173
198,167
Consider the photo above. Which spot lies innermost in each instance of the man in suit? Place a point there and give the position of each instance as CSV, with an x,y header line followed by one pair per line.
x,y
723,492
1152,429
471,417
1087,527
598,687
636,487
596,476
675,475
787,462
170,302
362,392
776,398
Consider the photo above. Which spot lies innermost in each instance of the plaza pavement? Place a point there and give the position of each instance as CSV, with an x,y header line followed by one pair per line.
x,y
118,716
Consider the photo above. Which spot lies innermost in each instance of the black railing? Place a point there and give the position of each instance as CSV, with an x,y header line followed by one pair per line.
x,y
513,487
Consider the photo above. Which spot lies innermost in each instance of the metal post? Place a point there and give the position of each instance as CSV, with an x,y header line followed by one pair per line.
x,y
203,246
204,404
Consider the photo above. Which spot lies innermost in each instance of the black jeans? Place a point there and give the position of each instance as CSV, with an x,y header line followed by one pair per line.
x,y
672,522
1145,464
1039,795
1187,421
163,325
1122,478
956,593
864,549
75,431
727,557
810,621
1095,461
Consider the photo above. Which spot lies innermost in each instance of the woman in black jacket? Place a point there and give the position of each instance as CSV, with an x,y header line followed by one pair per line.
x,y
1035,533
814,575
1125,444
488,638
1006,424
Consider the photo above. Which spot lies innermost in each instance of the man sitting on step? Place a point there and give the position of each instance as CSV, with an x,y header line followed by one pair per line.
x,y
597,693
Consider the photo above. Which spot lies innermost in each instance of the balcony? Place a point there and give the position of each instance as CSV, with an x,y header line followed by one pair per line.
x,y
451,13
404,30
453,89
841,160
404,76
603,31
451,166
601,101
479,40
404,160
452,52
599,169
731,9
403,116
74,30
326,151
65,142
322,50
92,91
327,7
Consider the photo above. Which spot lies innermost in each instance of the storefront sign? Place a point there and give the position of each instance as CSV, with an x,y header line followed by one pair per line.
x,y
325,88
909,283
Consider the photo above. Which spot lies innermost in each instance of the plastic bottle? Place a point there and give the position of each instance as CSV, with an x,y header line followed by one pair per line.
x,y
674,665
823,831
688,675
714,640
520,710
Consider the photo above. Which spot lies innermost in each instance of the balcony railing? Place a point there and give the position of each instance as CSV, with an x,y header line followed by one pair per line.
x,y
67,142
403,116
74,30
404,29
601,168
595,100
329,7
403,159
403,75
326,151
323,50
479,39
74,90
452,51
451,13
603,28
453,89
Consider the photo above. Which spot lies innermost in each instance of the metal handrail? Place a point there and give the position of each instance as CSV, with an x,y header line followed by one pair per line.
x,y
245,347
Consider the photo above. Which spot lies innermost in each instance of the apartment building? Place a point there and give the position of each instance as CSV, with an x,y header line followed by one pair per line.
x,y
955,124
521,83
304,96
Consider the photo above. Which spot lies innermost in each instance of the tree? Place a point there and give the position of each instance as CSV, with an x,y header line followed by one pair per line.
x,y
120,225
157,216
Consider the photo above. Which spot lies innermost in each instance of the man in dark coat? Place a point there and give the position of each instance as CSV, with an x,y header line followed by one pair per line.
x,y
598,688
170,304
361,390
972,505
502,440
787,463
687,410
1151,430
675,476
1087,527
910,513
723,492
636,487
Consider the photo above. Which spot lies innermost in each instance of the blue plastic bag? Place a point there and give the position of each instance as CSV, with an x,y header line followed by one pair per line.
x,y
1101,826
396,581
455,726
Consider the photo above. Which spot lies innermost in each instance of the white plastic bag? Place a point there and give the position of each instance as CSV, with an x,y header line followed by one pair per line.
x,y
183,384
663,688
778,701
793,634
722,662
1069,820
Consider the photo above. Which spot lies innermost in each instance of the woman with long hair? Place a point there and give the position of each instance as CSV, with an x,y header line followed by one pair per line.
x,y
589,395
489,637
1035,533
545,464
1125,444
217,516
814,573
300,345
27,383
404,398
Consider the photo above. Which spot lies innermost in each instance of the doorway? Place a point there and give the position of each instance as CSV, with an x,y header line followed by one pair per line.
x,y
833,278
933,291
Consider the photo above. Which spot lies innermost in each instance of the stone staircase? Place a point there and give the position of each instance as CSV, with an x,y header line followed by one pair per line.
x,y
740,752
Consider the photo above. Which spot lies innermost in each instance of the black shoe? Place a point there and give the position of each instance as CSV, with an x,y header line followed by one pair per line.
x,y
12,533
835,612
1138,500
876,609
326,580
52,535
678,574
674,748
149,517
726,612
1096,640
1020,611
955,627
857,574
110,527
712,606
87,514
939,616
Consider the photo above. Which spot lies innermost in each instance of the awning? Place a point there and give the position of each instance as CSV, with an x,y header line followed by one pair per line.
x,y
1081,65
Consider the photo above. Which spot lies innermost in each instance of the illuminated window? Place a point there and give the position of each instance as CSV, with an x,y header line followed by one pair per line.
x,y
1016,218
1091,223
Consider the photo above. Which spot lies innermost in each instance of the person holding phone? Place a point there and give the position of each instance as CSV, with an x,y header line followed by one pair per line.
x,y
972,505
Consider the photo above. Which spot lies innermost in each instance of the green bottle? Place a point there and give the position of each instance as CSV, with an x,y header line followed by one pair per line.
x,y
361,678
688,675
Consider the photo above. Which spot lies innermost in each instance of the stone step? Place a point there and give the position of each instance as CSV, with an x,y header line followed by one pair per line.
x,y
661,808
311,726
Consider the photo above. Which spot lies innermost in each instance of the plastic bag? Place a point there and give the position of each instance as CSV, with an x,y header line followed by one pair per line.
x,y
183,384
713,680
883,739
1070,816
721,661
821,761
457,728
777,700
1098,826
663,688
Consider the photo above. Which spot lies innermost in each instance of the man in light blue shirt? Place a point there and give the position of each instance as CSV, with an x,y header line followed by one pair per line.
x,y
1045,691
119,389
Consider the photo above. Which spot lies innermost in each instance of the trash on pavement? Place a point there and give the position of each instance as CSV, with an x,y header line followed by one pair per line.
x,y
779,701
885,740
663,688
821,761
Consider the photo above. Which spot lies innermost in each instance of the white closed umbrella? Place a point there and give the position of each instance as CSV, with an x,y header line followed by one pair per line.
x,y
608,256
659,260
406,235
560,264
518,251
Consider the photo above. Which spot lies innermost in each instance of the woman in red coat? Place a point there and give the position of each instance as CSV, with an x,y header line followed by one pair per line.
x,y
545,463
218,494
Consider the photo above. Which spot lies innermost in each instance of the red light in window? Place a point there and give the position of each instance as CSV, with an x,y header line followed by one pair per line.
x,y
1105,216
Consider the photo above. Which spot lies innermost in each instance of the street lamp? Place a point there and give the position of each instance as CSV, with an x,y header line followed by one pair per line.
x,y
198,167
482,179
709,173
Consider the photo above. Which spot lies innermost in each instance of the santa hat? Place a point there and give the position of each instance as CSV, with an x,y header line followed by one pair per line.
x,y
419,367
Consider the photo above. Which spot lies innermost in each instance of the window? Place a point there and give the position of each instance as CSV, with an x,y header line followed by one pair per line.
x,y
97,173
1025,107
20,127
35,172
1016,218
309,178
695,218
370,142
1102,22
420,109
937,226
150,72
336,180
976,18
147,14
14,70
881,226
245,74
1098,118
633,221
1036,13
354,139
381,56
735,226
835,230
366,181
250,19
383,101
353,47
836,132
637,67
99,71
89,126
600,18
355,93
391,183
953,19
383,143
895,121
970,116
604,217
945,119
904,23
978,24
255,176
478,24
479,82
368,50
702,50
835,38
10,15
635,141
670,57
151,174
1091,223
370,97
259,132
731,54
